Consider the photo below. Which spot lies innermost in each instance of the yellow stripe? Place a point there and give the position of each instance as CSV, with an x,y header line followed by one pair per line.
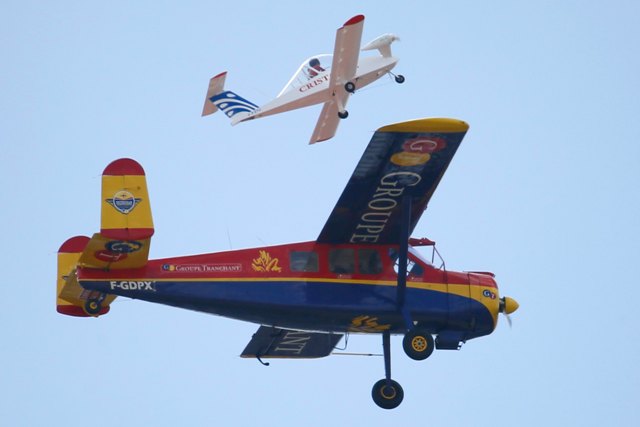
x,y
427,125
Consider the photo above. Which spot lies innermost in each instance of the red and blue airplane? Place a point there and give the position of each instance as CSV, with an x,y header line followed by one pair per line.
x,y
362,274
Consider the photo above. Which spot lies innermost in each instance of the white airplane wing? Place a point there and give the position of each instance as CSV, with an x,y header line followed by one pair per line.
x,y
343,68
346,51
327,123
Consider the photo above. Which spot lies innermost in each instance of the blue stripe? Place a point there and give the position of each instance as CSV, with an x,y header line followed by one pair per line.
x,y
322,306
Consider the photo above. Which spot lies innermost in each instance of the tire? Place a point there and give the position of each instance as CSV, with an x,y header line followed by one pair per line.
x,y
93,307
387,396
343,114
350,87
400,79
418,344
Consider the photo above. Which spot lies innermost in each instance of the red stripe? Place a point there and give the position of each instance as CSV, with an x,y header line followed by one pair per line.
x,y
75,311
123,167
354,20
74,245
127,233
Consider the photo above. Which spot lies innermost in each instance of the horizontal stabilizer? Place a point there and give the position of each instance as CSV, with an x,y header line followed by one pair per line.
x,y
270,342
71,297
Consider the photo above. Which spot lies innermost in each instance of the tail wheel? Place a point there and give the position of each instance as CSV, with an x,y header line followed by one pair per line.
x,y
93,307
418,344
387,395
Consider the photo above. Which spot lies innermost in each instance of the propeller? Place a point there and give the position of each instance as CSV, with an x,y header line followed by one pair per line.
x,y
508,306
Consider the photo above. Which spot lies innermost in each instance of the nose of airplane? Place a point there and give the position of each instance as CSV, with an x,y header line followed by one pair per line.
x,y
508,305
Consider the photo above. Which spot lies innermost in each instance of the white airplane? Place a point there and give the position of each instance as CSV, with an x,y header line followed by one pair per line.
x,y
328,79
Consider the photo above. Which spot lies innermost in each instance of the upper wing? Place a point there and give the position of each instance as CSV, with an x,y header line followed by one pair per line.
x,y
403,159
346,51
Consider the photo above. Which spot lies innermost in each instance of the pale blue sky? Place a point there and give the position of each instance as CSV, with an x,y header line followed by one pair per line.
x,y
543,192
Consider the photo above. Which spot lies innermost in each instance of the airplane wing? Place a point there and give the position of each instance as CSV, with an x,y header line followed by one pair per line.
x,y
346,51
343,68
327,123
403,159
270,342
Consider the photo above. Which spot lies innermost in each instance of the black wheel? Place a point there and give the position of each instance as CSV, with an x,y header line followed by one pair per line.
x,y
343,114
387,396
92,307
400,78
418,344
350,87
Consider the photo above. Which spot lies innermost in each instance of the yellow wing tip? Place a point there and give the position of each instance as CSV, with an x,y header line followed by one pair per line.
x,y
443,125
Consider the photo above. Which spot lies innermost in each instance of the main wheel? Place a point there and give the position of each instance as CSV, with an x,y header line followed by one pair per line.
x,y
387,396
400,78
92,307
418,344
350,87
343,114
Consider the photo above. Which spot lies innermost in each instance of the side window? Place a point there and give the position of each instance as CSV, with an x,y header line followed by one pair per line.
x,y
369,261
303,261
341,261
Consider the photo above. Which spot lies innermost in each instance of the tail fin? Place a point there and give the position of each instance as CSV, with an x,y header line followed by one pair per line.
x,y
232,104
216,85
126,227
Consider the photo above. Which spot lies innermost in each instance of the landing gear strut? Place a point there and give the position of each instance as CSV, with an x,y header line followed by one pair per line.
x,y
387,393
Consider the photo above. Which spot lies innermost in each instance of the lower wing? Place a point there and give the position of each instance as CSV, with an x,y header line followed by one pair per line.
x,y
328,121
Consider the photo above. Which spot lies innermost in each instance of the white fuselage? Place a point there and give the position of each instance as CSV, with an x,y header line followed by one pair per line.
x,y
318,89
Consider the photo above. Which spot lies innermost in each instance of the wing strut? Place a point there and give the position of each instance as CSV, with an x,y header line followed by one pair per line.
x,y
405,219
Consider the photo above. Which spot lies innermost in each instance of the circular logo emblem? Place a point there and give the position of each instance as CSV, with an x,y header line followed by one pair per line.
x,y
123,201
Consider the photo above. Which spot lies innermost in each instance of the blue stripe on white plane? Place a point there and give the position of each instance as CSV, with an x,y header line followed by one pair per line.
x,y
231,103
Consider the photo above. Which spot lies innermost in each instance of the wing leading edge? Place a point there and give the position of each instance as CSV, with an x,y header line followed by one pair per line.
x,y
403,159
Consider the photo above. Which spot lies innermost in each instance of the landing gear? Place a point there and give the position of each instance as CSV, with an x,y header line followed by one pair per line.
x,y
387,393
400,79
93,306
350,87
343,114
418,344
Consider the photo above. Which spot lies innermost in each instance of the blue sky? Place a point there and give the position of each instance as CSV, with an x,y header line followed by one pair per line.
x,y
543,192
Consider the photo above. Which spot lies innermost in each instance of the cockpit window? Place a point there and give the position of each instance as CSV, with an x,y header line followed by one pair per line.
x,y
342,261
369,261
303,261
413,268
316,67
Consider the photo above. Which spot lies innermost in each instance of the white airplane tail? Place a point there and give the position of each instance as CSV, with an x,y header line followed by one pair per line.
x,y
232,104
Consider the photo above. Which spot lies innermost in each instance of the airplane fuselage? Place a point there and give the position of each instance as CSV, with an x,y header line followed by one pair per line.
x,y
303,287
318,89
